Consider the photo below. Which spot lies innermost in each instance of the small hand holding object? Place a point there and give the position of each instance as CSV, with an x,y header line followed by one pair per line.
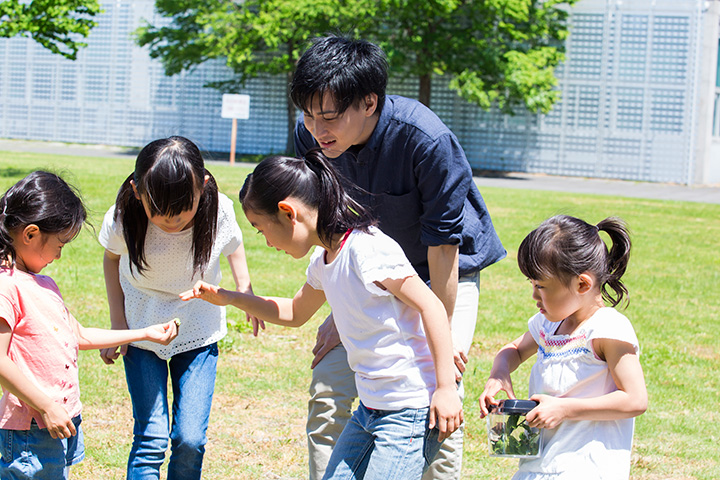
x,y
549,414
492,387
163,333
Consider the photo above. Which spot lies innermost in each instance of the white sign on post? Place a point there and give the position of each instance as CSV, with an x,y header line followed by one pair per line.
x,y
235,106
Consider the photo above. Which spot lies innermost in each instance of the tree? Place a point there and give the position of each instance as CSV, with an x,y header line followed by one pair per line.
x,y
498,52
55,24
255,37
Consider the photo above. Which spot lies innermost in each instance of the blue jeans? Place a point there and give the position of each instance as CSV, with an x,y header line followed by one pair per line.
x,y
192,375
34,454
384,445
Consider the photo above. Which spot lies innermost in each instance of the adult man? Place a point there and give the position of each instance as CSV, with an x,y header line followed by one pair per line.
x,y
418,183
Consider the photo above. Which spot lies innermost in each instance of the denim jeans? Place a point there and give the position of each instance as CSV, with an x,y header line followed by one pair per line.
x,y
34,454
332,392
192,375
384,445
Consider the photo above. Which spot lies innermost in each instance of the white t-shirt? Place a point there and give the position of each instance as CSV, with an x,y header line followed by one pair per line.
x,y
152,297
567,366
384,338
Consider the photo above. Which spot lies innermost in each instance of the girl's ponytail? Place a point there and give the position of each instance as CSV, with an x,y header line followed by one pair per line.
x,y
617,258
337,211
564,247
315,182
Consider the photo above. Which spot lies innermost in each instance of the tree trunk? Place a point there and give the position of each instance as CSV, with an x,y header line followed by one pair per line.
x,y
424,91
290,144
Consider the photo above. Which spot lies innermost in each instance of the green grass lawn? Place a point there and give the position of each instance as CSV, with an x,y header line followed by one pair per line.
x,y
257,424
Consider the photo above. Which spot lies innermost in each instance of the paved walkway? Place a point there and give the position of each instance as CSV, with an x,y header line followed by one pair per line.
x,y
661,191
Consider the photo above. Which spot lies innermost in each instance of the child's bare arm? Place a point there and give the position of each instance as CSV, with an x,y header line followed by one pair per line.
x,y
116,304
92,338
56,419
287,312
507,360
445,407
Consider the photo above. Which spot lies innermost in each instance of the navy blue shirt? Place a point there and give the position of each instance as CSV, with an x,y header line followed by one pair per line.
x,y
420,186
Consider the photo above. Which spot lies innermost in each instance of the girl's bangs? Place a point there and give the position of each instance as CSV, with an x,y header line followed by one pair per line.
x,y
167,198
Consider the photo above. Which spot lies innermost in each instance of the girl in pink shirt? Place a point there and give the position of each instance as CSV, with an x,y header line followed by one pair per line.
x,y
40,434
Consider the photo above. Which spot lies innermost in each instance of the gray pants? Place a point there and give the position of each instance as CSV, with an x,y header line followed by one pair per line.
x,y
333,392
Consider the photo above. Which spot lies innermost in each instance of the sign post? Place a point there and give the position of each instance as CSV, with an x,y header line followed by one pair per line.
x,y
235,106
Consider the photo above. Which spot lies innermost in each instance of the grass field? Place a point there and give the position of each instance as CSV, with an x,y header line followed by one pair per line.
x,y
257,424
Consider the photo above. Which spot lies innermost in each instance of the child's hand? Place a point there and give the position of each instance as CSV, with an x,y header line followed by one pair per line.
x,y
257,324
549,414
205,291
492,387
58,422
460,362
109,355
445,412
163,333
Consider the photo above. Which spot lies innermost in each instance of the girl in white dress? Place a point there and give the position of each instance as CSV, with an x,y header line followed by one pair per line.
x,y
587,376
395,330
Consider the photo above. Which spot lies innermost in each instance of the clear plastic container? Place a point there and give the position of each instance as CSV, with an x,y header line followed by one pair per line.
x,y
509,434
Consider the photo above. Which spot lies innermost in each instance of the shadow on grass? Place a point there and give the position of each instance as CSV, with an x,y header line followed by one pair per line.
x,y
8,172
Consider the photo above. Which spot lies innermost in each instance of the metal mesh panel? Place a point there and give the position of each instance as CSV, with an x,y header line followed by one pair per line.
x,y
627,108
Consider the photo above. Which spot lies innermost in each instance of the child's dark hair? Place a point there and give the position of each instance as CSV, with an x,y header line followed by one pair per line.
x,y
563,247
43,199
349,70
312,180
167,173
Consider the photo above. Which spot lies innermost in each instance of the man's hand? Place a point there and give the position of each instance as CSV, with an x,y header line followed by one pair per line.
x,y
327,339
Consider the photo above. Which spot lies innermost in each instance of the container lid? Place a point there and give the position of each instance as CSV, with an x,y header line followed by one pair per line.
x,y
516,407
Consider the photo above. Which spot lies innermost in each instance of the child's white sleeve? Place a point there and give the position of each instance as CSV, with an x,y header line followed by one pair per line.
x,y
110,235
227,225
384,259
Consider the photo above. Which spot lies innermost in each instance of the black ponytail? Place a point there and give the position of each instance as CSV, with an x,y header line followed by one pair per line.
x,y
617,259
563,247
312,180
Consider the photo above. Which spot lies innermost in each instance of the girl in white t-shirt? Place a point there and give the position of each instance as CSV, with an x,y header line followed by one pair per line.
x,y
587,377
393,327
168,228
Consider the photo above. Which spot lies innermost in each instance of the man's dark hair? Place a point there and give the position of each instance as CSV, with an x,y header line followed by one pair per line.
x,y
349,70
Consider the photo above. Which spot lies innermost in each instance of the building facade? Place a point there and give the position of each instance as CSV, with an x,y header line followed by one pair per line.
x,y
639,97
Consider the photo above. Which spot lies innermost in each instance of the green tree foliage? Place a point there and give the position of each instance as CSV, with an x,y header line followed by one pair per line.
x,y
497,52
256,37
55,24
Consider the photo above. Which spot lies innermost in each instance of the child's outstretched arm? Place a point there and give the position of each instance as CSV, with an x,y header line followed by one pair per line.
x,y
445,407
288,312
91,338
56,418
507,360
241,275
629,400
